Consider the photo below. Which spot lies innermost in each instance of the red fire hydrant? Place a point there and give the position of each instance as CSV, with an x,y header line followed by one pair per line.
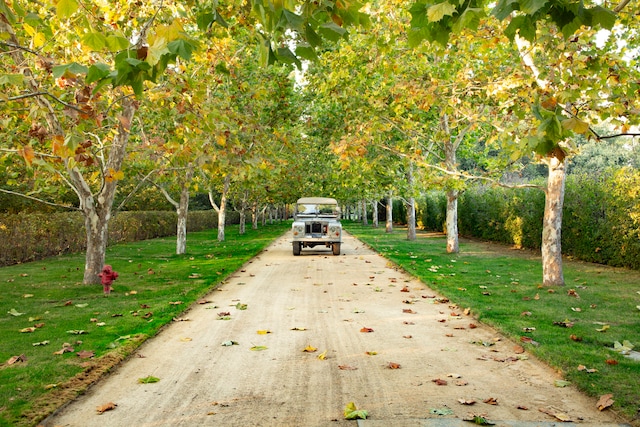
x,y
107,276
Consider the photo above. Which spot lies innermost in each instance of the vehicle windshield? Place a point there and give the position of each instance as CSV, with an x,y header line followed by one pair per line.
x,y
317,209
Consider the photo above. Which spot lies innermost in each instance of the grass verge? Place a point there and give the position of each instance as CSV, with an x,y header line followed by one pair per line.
x,y
573,328
66,335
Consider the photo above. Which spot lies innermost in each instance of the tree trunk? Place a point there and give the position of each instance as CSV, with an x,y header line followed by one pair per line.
x,y
365,220
451,145
374,206
389,219
183,210
97,232
97,210
452,222
552,225
411,219
222,209
254,216
411,207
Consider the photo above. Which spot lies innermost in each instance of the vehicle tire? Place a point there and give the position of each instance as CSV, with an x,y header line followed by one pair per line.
x,y
336,248
296,248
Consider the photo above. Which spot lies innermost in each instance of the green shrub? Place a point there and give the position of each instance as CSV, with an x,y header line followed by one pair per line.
x,y
32,236
601,217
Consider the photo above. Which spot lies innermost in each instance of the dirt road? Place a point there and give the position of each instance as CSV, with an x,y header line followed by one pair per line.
x,y
327,302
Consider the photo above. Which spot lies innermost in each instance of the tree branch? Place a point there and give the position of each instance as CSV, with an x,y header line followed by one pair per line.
x,y
621,6
35,94
36,199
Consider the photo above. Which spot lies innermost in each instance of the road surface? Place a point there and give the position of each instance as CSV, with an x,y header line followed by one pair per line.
x,y
391,345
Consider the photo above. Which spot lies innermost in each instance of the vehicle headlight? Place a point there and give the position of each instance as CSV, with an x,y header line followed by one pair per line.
x,y
334,230
298,229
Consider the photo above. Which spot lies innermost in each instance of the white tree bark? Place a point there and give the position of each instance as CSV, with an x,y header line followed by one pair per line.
x,y
222,209
552,273
363,212
182,209
452,222
411,207
374,207
389,219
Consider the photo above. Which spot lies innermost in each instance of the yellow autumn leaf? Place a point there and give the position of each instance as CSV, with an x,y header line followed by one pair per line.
x,y
263,332
221,140
309,349
323,355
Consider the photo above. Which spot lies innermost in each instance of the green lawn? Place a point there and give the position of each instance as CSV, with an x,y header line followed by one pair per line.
x,y
44,308
574,327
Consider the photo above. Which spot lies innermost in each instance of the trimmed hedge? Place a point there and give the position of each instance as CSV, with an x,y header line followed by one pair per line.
x,y
31,236
601,216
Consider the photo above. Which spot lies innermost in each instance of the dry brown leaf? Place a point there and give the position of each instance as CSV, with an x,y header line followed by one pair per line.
x,y
86,354
461,383
16,359
467,401
405,289
439,381
408,310
347,368
106,407
393,365
518,349
605,402
558,415
364,329
491,401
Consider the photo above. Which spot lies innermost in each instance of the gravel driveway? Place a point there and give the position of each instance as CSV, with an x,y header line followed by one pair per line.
x,y
382,340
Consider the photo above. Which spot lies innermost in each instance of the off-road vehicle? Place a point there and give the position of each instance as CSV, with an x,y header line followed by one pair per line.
x,y
316,223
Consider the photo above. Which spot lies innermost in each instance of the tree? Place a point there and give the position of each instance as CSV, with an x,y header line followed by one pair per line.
x,y
558,38
80,70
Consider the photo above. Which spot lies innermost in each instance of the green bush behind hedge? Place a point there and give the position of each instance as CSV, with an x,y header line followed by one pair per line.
x,y
31,236
601,216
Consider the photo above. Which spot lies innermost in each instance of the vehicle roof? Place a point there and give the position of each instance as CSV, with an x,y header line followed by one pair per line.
x,y
317,200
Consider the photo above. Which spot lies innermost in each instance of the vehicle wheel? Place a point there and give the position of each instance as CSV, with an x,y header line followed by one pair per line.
x,y
296,248
336,248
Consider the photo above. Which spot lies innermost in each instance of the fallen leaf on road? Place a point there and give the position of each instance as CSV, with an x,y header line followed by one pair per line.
x,y
479,420
371,353
309,349
558,415
298,329
258,348
467,401
408,310
352,413
229,343
605,401
364,329
518,349
393,365
263,331
148,380
322,356
439,381
407,336
347,368
491,401
106,407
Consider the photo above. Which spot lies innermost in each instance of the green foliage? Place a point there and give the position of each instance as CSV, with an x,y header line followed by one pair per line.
x,y
501,287
601,217
36,236
512,216
601,221
152,279
432,211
